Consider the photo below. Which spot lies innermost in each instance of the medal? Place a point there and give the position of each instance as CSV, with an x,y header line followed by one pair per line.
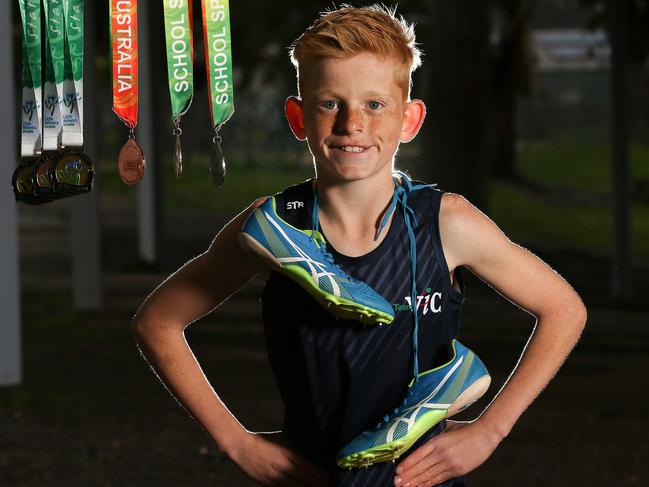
x,y
72,173
180,55
218,62
217,162
131,162
22,183
124,42
31,139
43,177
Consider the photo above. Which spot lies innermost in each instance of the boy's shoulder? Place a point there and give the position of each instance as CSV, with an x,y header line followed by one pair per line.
x,y
455,212
454,207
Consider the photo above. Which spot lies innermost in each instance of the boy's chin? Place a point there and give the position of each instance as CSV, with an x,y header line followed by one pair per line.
x,y
353,172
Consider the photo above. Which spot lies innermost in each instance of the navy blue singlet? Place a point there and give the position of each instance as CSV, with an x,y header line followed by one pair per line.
x,y
338,377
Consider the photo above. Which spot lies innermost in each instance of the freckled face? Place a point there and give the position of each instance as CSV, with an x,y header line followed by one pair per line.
x,y
353,114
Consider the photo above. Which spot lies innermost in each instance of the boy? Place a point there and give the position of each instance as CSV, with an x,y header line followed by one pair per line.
x,y
336,379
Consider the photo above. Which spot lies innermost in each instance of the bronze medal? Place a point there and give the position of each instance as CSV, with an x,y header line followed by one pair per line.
x,y
131,162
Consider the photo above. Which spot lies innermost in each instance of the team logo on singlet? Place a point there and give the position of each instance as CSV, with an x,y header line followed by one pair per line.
x,y
294,205
427,302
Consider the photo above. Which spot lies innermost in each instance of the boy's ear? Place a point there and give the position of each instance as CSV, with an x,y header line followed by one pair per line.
x,y
293,110
413,118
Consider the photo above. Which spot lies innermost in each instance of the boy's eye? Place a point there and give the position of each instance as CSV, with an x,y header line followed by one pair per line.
x,y
329,104
375,105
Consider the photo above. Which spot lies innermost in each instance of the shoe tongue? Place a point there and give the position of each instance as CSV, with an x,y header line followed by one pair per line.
x,y
317,236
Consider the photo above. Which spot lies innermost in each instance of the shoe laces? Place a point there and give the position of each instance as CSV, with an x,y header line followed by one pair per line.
x,y
403,187
400,197
388,417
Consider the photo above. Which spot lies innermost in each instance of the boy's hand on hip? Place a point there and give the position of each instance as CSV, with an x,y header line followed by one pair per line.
x,y
263,458
461,448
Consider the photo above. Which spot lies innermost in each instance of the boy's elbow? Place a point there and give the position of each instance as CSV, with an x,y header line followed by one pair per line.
x,y
141,327
579,315
583,315
137,328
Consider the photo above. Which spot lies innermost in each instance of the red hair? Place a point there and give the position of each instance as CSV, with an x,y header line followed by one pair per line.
x,y
349,30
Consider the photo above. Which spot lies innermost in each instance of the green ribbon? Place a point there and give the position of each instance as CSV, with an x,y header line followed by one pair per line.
x,y
73,13
72,110
31,140
54,72
218,54
55,41
30,13
180,54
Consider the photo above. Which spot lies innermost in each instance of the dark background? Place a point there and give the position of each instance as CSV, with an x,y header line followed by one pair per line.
x,y
522,112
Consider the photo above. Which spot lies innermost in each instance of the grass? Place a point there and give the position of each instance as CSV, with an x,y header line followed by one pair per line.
x,y
582,167
554,223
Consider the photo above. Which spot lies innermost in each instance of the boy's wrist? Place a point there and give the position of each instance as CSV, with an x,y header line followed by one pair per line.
x,y
496,431
231,444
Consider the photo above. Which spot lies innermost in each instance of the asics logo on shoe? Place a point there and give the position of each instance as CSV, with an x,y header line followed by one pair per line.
x,y
317,269
409,416
294,205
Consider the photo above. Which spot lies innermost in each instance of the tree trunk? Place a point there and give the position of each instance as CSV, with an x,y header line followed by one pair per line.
x,y
455,83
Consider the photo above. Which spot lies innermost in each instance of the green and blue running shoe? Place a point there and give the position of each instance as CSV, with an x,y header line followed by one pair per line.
x,y
302,256
433,396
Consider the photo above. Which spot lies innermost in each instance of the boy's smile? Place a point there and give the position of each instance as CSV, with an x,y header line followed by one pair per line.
x,y
353,114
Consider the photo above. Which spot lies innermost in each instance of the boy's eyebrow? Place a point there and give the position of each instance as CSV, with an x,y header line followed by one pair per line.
x,y
335,94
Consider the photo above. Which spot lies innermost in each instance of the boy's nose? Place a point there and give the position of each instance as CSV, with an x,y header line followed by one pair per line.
x,y
349,121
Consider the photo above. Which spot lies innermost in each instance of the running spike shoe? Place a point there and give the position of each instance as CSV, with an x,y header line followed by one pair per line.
x,y
438,394
302,256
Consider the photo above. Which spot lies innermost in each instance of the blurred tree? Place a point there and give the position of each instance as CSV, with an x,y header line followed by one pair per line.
x,y
455,81
512,58
638,55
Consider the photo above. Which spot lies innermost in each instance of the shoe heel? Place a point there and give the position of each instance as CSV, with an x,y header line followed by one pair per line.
x,y
474,392
251,245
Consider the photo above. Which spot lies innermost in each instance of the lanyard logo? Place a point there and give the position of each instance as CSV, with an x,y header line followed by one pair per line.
x,y
29,107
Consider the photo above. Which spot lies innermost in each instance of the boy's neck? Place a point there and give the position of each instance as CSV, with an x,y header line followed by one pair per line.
x,y
350,212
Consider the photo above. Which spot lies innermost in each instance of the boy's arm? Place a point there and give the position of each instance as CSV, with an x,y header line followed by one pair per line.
x,y
191,292
472,240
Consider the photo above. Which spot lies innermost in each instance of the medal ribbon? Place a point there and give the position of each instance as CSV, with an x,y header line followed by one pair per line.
x,y
180,55
218,59
72,110
54,73
31,139
123,14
